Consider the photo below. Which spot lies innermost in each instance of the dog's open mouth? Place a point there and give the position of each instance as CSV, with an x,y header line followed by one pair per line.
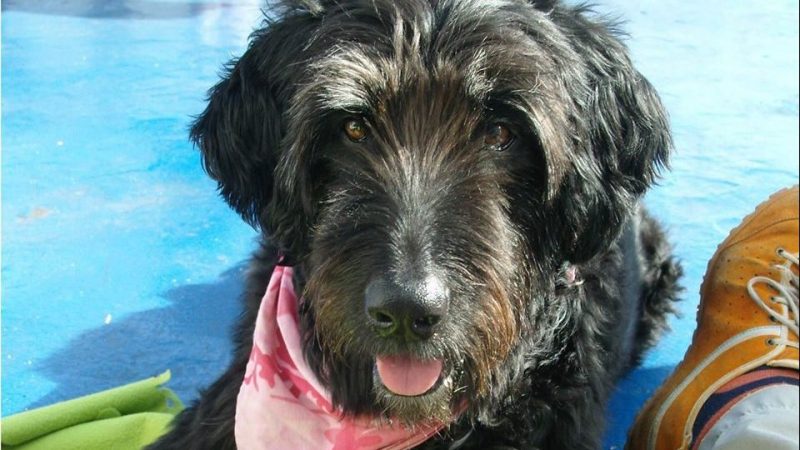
x,y
408,376
414,389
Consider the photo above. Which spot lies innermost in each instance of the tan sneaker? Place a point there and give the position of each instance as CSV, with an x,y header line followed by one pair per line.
x,y
747,318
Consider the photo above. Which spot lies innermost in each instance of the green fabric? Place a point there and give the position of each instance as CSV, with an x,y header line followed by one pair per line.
x,y
124,418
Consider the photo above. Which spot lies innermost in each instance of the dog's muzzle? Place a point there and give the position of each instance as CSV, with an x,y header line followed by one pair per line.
x,y
409,311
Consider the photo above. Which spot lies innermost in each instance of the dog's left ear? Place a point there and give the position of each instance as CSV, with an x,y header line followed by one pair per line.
x,y
625,142
629,129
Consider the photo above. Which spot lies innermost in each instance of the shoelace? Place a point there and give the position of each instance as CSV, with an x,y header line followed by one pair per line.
x,y
787,290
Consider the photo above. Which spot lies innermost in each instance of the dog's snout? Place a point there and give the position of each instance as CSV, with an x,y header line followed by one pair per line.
x,y
413,309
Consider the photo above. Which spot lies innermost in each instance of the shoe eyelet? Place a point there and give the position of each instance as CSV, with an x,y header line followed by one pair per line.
x,y
771,342
773,319
780,251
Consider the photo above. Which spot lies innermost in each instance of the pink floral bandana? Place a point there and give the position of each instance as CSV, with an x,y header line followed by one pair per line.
x,y
282,406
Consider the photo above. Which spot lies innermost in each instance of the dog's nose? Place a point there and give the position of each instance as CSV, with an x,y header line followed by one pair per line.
x,y
413,310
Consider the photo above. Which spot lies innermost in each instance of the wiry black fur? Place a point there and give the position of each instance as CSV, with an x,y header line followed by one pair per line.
x,y
534,352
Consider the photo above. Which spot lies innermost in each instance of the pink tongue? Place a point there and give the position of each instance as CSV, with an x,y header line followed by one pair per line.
x,y
407,376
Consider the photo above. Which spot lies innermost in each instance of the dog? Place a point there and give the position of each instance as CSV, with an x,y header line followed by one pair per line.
x,y
456,185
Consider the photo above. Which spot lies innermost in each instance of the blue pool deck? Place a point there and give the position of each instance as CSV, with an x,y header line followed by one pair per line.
x,y
120,261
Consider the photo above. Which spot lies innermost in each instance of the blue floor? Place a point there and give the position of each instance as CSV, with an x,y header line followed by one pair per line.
x,y
119,261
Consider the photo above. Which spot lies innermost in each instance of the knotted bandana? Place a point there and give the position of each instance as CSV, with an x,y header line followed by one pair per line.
x,y
282,406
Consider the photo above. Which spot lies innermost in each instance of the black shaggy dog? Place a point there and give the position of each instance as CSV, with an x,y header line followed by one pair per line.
x,y
456,180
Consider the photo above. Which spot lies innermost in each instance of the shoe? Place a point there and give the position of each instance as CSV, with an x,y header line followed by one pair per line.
x,y
747,318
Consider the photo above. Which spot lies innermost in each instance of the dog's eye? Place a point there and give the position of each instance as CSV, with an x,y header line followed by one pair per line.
x,y
355,129
497,136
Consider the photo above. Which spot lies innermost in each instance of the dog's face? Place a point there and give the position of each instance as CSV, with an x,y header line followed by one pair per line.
x,y
430,166
412,249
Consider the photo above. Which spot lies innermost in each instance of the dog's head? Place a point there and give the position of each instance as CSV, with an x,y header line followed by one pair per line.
x,y
430,166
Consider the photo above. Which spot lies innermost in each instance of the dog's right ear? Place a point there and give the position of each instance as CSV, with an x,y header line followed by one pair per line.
x,y
240,132
238,135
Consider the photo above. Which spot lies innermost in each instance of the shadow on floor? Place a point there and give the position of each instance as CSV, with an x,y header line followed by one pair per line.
x,y
631,394
113,9
191,337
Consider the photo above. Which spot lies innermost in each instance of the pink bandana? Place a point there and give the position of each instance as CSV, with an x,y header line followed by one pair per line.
x,y
282,406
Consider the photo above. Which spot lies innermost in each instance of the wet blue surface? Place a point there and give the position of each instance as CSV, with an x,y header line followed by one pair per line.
x,y
119,261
